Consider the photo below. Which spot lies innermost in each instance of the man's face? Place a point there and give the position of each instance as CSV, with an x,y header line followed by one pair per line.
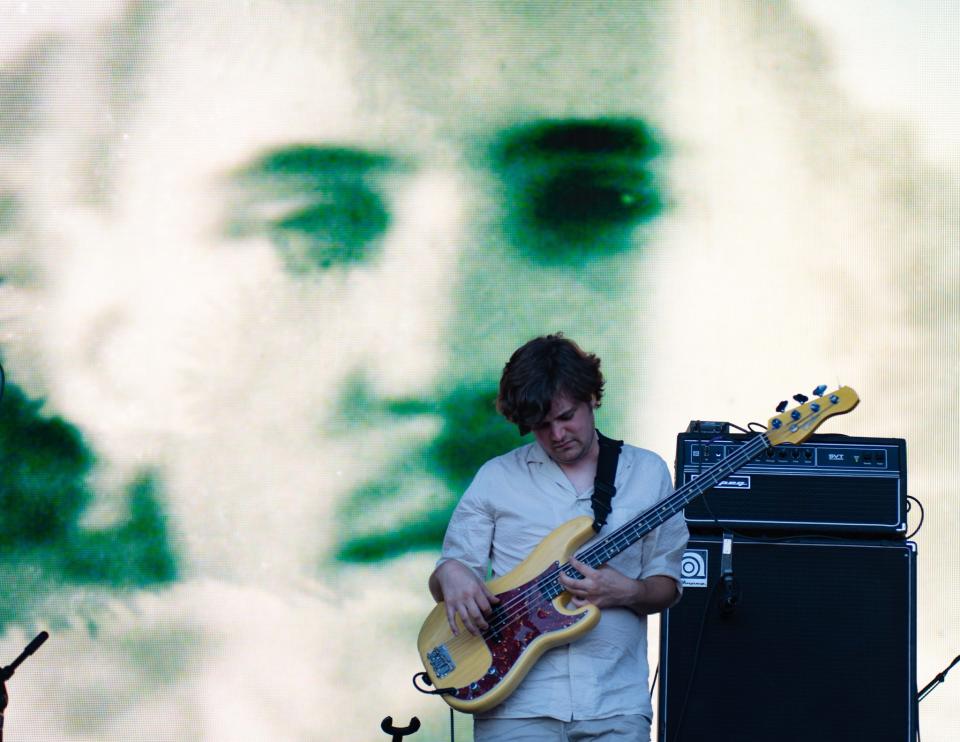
x,y
568,432
317,249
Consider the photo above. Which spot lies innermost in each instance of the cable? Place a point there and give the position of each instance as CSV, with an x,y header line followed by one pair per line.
x,y
764,538
706,609
710,598
920,524
696,659
703,495
436,691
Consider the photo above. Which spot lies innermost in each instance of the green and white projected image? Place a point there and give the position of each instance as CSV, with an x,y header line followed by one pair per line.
x,y
262,262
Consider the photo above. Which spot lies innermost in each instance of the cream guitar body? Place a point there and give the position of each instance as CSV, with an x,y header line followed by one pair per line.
x,y
478,672
531,618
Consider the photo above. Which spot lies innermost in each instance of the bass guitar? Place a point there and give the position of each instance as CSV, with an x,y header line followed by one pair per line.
x,y
475,673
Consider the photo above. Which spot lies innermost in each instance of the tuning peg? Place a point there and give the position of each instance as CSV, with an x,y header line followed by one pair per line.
x,y
800,398
818,392
782,406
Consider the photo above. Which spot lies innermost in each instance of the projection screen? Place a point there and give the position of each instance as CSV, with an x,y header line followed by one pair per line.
x,y
263,262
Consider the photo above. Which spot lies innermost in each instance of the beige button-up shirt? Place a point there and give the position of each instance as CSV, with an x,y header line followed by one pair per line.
x,y
515,500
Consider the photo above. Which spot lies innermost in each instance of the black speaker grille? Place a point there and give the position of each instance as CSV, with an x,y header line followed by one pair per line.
x,y
808,502
821,646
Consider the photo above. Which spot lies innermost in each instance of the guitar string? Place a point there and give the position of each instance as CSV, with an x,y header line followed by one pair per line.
x,y
519,605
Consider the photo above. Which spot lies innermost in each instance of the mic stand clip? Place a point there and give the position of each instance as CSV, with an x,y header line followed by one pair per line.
x,y
7,672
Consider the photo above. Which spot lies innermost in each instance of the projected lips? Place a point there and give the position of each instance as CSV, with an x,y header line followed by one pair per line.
x,y
44,494
471,433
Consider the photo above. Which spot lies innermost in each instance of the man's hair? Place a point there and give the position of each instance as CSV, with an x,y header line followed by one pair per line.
x,y
540,370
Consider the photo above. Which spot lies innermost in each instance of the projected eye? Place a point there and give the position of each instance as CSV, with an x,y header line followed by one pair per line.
x,y
340,227
576,189
576,214
580,200
320,206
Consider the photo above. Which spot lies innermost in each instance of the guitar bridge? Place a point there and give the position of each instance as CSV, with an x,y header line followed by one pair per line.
x,y
441,661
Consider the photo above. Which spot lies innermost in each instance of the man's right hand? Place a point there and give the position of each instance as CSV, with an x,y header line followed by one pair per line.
x,y
465,595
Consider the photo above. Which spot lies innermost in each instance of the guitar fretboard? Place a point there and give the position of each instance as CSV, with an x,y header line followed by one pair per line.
x,y
633,530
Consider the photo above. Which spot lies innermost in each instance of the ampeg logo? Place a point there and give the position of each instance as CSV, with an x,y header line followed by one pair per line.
x,y
693,568
733,482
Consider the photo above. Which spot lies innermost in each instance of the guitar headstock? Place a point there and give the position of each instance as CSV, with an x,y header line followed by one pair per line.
x,y
794,426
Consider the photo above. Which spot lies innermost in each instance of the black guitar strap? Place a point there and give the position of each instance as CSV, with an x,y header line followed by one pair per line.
x,y
603,485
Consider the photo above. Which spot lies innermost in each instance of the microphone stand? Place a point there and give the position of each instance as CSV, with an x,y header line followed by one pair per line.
x,y
7,672
938,678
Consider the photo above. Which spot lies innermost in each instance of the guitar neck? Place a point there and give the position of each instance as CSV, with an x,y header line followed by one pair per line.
x,y
632,531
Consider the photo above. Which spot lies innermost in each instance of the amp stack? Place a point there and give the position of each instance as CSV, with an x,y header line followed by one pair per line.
x,y
798,617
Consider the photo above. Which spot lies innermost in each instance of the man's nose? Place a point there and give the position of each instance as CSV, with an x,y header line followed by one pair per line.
x,y
408,293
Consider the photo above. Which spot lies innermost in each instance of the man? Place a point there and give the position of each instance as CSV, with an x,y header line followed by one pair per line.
x,y
596,687
262,254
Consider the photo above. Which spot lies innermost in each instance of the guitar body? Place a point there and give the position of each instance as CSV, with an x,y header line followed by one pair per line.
x,y
484,670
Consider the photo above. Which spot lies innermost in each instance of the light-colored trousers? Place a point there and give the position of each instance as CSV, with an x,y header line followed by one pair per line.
x,y
542,729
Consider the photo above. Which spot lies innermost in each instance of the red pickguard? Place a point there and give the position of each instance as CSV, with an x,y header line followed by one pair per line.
x,y
535,615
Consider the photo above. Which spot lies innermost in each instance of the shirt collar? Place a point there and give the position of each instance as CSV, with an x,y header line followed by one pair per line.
x,y
536,454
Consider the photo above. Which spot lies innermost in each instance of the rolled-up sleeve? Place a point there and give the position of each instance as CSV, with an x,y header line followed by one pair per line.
x,y
469,535
663,547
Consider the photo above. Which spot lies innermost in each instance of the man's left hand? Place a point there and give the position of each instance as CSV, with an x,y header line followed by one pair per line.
x,y
604,587
607,588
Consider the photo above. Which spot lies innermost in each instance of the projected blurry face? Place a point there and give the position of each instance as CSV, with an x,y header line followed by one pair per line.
x,y
323,233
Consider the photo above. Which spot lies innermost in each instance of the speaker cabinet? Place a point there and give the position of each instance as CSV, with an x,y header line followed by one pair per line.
x,y
818,644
